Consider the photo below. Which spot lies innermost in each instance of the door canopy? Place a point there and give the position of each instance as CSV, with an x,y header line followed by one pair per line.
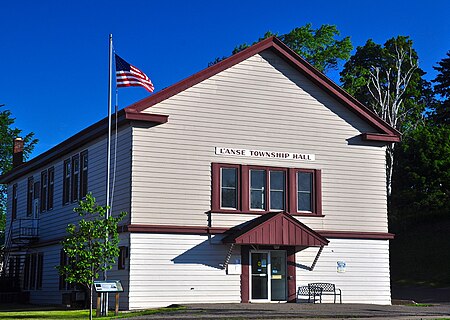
x,y
278,228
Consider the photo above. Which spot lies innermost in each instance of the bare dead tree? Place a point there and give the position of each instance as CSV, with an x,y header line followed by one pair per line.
x,y
389,94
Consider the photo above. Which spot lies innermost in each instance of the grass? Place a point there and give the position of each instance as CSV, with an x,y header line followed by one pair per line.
x,y
28,313
419,305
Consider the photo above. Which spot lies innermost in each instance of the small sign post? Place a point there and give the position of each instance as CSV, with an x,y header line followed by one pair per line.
x,y
106,287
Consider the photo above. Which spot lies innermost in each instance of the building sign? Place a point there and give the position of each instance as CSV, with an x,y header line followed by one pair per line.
x,y
108,286
254,153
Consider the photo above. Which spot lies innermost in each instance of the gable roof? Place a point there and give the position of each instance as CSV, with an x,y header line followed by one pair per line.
x,y
383,131
278,228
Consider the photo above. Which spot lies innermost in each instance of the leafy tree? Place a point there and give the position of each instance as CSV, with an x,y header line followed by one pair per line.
x,y
442,87
7,135
388,80
422,176
92,246
318,46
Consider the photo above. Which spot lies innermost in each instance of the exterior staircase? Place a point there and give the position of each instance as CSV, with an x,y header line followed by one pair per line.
x,y
20,234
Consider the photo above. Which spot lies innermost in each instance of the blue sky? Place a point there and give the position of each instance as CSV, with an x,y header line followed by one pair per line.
x,y
55,53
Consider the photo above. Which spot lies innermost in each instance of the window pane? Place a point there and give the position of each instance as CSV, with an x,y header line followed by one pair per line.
x,y
276,200
304,191
305,181
258,178
304,202
277,190
276,180
229,177
257,189
229,188
229,198
257,199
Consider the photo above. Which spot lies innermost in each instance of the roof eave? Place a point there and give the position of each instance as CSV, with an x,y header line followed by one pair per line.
x,y
88,134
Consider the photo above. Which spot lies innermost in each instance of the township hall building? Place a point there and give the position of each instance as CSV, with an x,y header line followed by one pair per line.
x,y
243,182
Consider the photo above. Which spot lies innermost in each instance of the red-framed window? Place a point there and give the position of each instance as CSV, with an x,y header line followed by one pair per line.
x,y
259,189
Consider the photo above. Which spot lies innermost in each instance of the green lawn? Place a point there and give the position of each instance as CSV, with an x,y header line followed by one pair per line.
x,y
33,312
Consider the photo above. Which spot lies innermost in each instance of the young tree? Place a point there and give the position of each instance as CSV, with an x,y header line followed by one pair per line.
x,y
7,135
388,80
317,46
92,246
442,88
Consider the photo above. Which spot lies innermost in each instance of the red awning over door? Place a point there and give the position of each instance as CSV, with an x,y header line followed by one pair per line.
x,y
279,229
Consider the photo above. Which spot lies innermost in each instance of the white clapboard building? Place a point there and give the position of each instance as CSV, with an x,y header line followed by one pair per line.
x,y
242,183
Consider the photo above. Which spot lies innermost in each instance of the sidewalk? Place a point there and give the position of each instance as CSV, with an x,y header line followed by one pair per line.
x,y
304,311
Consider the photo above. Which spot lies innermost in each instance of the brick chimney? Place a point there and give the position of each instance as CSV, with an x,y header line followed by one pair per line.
x,y
17,152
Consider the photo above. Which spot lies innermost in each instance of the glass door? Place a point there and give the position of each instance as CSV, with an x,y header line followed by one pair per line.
x,y
260,277
278,276
268,280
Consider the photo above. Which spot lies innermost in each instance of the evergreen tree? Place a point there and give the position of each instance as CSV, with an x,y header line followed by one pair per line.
x,y
442,88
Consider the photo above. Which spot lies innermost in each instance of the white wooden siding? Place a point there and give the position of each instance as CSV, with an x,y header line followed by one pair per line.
x,y
53,223
366,278
50,293
261,103
167,269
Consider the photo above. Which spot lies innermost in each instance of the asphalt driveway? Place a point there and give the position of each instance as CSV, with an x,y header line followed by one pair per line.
x,y
305,311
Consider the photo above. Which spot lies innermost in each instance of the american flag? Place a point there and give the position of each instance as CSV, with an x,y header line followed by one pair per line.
x,y
130,76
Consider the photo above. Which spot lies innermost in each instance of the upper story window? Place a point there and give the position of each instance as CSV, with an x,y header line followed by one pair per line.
x,y
44,184
83,174
47,189
14,202
66,181
255,189
51,188
229,187
75,177
30,197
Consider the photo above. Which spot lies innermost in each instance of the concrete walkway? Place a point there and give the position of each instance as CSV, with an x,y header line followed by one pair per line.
x,y
304,311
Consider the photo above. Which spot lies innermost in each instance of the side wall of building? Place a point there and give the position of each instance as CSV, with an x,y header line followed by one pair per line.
x,y
53,223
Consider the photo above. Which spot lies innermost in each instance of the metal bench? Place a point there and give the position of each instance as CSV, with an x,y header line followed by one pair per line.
x,y
312,293
326,289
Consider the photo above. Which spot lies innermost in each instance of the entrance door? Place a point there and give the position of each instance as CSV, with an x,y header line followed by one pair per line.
x,y
268,276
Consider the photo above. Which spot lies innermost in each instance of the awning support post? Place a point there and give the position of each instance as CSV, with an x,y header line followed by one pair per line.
x,y
316,258
228,257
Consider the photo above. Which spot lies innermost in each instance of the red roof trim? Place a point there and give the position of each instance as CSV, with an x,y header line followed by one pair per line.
x,y
146,228
296,61
380,137
147,117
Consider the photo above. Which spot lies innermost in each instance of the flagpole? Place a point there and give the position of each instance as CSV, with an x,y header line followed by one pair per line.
x,y
108,162
109,126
